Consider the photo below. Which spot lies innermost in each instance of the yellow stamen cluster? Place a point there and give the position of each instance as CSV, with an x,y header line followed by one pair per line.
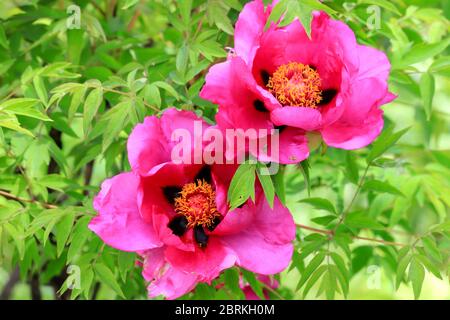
x,y
296,84
197,203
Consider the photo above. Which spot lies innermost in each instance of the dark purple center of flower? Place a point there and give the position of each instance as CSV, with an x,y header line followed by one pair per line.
x,y
195,206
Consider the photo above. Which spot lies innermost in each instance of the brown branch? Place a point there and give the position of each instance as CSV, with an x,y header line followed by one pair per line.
x,y
9,286
331,233
96,6
133,20
10,196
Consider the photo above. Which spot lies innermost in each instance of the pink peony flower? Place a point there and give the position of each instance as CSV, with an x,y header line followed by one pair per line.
x,y
279,78
176,215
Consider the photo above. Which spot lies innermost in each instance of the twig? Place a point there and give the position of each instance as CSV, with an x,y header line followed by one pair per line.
x,y
331,233
133,20
271,290
358,189
10,196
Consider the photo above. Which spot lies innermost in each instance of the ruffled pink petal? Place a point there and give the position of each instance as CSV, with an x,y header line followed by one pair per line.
x,y
152,142
266,245
119,223
364,95
172,284
147,146
248,30
221,176
153,263
236,221
207,262
308,119
373,64
292,147
160,223
231,85
354,136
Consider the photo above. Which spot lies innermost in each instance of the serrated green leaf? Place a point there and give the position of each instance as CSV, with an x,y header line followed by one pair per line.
x,y
416,276
361,220
267,185
91,106
63,229
386,140
108,278
427,88
242,185
320,203
382,186
310,268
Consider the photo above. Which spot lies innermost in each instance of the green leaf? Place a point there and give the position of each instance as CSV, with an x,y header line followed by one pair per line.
x,y
427,87
431,248
422,52
24,107
416,276
167,87
351,168
304,169
382,186
242,185
116,118
232,282
79,237
278,180
127,4
401,269
361,220
254,283
267,184
75,44
386,140
384,4
325,220
429,266
18,238
91,105
313,279
182,59
310,268
63,229
152,95
125,261
320,203
41,91
108,278
3,39
77,99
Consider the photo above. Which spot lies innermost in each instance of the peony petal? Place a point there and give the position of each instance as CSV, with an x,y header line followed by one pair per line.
x,y
292,147
119,223
354,135
266,245
373,64
308,119
231,85
153,263
248,30
364,95
151,143
172,284
205,262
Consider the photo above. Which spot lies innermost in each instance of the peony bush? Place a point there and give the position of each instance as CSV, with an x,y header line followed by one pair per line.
x,y
220,149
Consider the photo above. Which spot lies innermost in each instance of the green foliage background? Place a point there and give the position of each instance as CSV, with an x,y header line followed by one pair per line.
x,y
369,221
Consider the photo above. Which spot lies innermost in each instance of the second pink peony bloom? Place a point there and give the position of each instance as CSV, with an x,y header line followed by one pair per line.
x,y
280,78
